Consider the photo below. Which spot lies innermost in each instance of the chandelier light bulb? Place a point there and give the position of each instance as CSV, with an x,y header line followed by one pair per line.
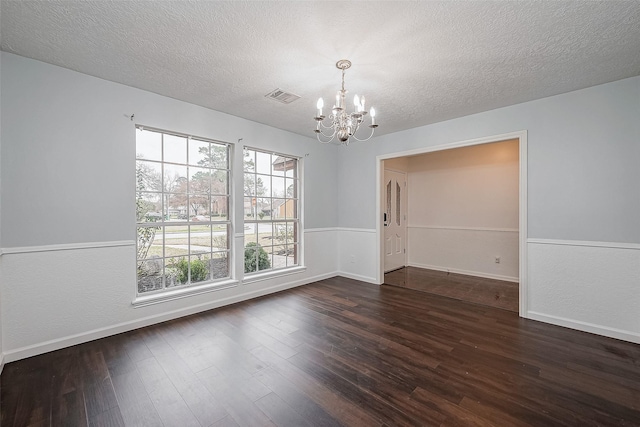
x,y
320,104
373,116
362,103
356,102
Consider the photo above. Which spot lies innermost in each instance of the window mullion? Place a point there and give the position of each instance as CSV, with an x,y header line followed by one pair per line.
x,y
162,201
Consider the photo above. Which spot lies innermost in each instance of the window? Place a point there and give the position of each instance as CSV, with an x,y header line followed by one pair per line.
x,y
182,210
271,211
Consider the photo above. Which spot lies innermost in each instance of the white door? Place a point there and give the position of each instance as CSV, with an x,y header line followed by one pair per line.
x,y
395,219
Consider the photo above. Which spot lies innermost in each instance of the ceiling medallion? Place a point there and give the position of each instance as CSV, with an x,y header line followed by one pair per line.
x,y
342,125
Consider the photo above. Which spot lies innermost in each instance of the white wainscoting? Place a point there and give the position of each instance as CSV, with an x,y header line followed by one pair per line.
x,y
60,297
465,250
357,256
589,286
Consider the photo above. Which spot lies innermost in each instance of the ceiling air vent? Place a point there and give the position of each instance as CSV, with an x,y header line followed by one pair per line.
x,y
282,96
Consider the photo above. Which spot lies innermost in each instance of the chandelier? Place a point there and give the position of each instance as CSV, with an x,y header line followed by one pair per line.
x,y
342,125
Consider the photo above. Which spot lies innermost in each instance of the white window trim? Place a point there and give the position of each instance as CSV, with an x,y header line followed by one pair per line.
x,y
142,300
271,274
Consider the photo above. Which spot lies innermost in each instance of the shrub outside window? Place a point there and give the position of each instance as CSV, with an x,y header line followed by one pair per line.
x,y
182,210
271,211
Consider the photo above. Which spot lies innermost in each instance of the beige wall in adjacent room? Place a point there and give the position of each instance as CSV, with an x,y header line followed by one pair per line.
x,y
463,209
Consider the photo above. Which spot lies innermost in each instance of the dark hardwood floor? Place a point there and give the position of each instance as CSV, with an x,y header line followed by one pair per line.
x,y
479,290
336,352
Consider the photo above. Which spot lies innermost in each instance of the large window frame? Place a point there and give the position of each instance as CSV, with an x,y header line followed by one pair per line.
x,y
271,212
183,211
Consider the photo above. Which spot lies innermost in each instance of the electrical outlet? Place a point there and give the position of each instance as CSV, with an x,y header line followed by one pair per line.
x,y
497,260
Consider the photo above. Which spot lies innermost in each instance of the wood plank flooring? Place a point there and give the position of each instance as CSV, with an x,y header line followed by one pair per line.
x,y
336,352
479,290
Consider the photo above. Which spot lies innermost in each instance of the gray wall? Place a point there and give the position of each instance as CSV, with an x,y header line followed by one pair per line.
x,y
68,161
583,157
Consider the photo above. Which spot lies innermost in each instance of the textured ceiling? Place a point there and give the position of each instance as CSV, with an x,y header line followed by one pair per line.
x,y
416,62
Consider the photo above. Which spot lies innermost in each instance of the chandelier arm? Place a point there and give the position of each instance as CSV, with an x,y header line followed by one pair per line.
x,y
326,127
324,142
330,135
355,126
326,135
366,139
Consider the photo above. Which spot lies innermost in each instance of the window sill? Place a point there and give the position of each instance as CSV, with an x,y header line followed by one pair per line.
x,y
174,294
272,274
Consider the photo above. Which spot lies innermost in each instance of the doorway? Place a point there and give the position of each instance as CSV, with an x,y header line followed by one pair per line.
x,y
519,245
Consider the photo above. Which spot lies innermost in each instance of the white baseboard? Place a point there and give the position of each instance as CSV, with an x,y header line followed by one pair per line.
x,y
1,362
358,277
52,345
585,327
466,272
